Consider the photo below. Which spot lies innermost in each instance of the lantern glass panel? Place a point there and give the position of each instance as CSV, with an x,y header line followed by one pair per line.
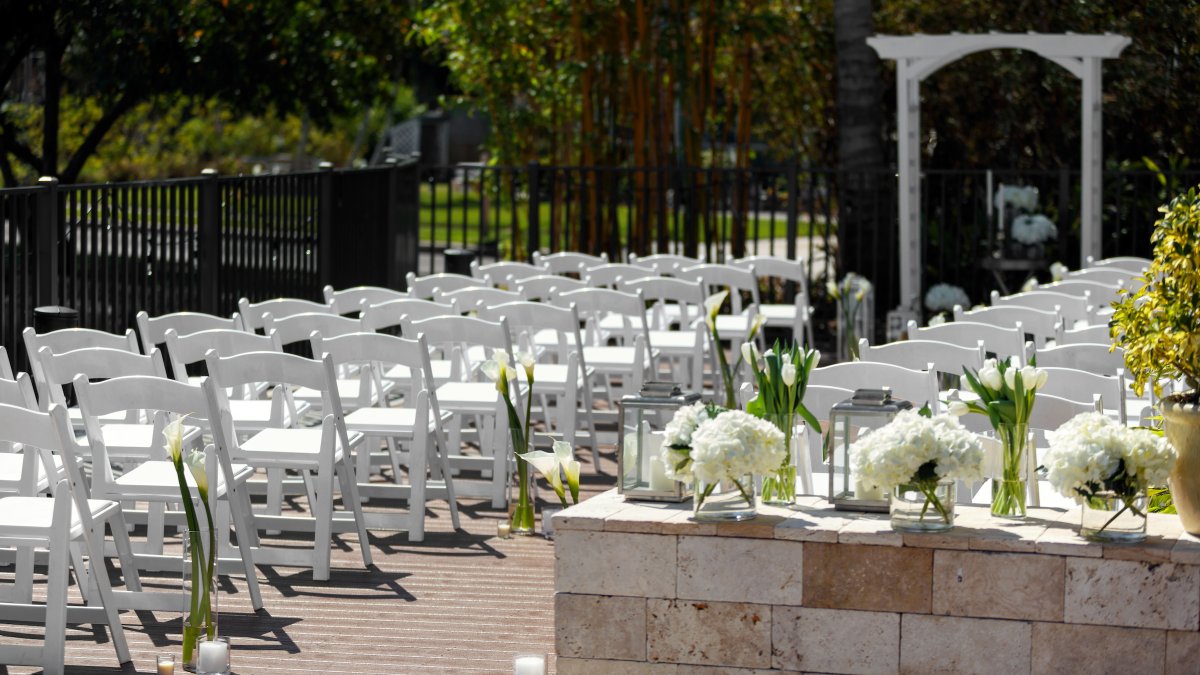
x,y
869,409
643,421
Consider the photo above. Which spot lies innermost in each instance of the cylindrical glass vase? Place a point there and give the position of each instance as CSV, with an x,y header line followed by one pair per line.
x,y
522,501
1008,487
729,499
922,507
779,486
199,594
1109,518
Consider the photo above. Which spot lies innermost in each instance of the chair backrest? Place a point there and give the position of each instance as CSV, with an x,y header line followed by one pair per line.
x,y
568,262
50,433
372,351
607,276
820,400
456,336
1098,334
473,299
544,286
525,319
254,315
505,273
664,264
999,341
279,370
427,287
688,296
6,371
97,363
1100,295
390,314
184,350
918,386
719,277
1094,358
1128,263
1082,385
1051,412
18,391
69,340
153,329
777,268
1111,276
593,304
300,327
1038,323
945,357
350,300
1072,307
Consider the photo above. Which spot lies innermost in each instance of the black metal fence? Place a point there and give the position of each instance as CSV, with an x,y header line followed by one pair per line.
x,y
202,243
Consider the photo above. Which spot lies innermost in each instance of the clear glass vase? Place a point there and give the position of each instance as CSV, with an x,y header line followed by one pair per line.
x,y
1107,517
779,486
522,501
922,507
199,594
1008,486
729,499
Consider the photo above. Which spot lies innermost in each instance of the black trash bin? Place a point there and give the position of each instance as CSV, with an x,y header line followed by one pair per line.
x,y
458,261
54,317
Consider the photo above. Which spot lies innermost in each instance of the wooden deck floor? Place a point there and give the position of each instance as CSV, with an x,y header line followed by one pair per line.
x,y
458,602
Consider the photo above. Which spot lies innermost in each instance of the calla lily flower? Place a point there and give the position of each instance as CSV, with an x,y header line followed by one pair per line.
x,y
546,464
570,467
527,362
173,432
756,324
499,371
831,289
196,463
712,307
748,352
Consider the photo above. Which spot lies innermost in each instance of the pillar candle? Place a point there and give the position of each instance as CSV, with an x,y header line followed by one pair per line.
x,y
529,665
213,657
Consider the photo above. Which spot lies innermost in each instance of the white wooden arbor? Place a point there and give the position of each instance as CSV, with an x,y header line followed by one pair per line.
x,y
919,56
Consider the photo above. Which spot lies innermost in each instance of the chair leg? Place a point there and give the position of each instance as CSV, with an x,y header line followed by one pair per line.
x,y
82,574
104,588
54,649
499,448
155,526
350,497
416,480
129,568
24,574
362,458
274,495
322,507
247,537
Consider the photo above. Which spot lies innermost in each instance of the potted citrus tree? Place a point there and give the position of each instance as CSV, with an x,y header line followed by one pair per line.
x,y
1158,325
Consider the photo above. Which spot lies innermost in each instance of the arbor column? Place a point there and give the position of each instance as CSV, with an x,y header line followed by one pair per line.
x,y
908,131
1092,156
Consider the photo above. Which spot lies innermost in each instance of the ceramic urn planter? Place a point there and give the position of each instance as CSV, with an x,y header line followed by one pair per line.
x,y
1183,431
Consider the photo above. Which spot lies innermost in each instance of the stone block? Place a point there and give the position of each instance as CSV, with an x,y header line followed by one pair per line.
x,y
734,634
682,523
873,578
813,524
600,627
1062,537
1183,653
1135,594
640,517
943,644
611,563
1186,550
719,568
835,641
589,514
760,527
569,666
998,585
1068,648
870,530
1162,534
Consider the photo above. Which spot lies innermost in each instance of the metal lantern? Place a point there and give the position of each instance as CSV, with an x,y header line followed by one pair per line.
x,y
868,409
643,420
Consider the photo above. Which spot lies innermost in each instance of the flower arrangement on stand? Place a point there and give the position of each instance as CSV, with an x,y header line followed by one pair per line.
x,y
917,457
729,374
720,451
198,620
1017,197
781,380
1107,467
943,298
1006,395
1034,231
853,294
504,374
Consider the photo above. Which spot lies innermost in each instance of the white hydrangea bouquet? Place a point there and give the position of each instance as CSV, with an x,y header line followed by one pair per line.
x,y
915,452
943,298
1091,455
708,445
1033,230
1018,197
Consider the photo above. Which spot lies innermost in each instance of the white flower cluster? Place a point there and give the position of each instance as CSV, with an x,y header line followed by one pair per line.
x,y
681,427
943,298
1031,378
1034,229
853,286
891,455
735,444
1017,197
1058,271
1087,451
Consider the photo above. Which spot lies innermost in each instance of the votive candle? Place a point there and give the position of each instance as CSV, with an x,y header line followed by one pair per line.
x,y
166,664
503,529
530,664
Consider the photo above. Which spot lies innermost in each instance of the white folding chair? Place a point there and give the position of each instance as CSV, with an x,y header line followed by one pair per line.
x,y
1100,295
254,315
1074,309
631,358
467,342
61,525
321,455
416,424
917,386
561,374
1099,334
665,264
1128,263
504,273
69,340
684,347
354,388
1102,359
819,399
1040,324
153,330
473,299
156,481
544,287
1109,276
1081,385
944,357
734,326
428,287
998,341
608,275
796,315
567,262
351,300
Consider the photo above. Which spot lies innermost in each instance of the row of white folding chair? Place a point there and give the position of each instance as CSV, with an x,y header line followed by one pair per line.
x,y
67,340
919,386
1035,322
798,315
1110,275
351,300
998,341
1101,295
1129,263
664,264
566,262
424,287
1075,310
1097,334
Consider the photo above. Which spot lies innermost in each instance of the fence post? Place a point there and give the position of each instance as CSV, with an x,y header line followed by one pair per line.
x,y
47,241
325,224
210,242
535,211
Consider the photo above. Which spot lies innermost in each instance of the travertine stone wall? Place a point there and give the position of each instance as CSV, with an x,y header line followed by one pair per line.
x,y
642,589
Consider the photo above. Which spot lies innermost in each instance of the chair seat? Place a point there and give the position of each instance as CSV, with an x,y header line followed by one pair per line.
x,y
778,314
548,337
468,396
608,359
123,439
11,464
348,391
674,342
552,375
34,516
158,477
256,414
441,371
288,447
731,326
388,421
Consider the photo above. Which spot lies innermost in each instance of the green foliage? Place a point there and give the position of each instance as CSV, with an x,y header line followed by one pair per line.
x,y
1158,324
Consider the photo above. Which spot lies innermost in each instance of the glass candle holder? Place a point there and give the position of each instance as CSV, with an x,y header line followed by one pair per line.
x,y
529,664
166,664
212,656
